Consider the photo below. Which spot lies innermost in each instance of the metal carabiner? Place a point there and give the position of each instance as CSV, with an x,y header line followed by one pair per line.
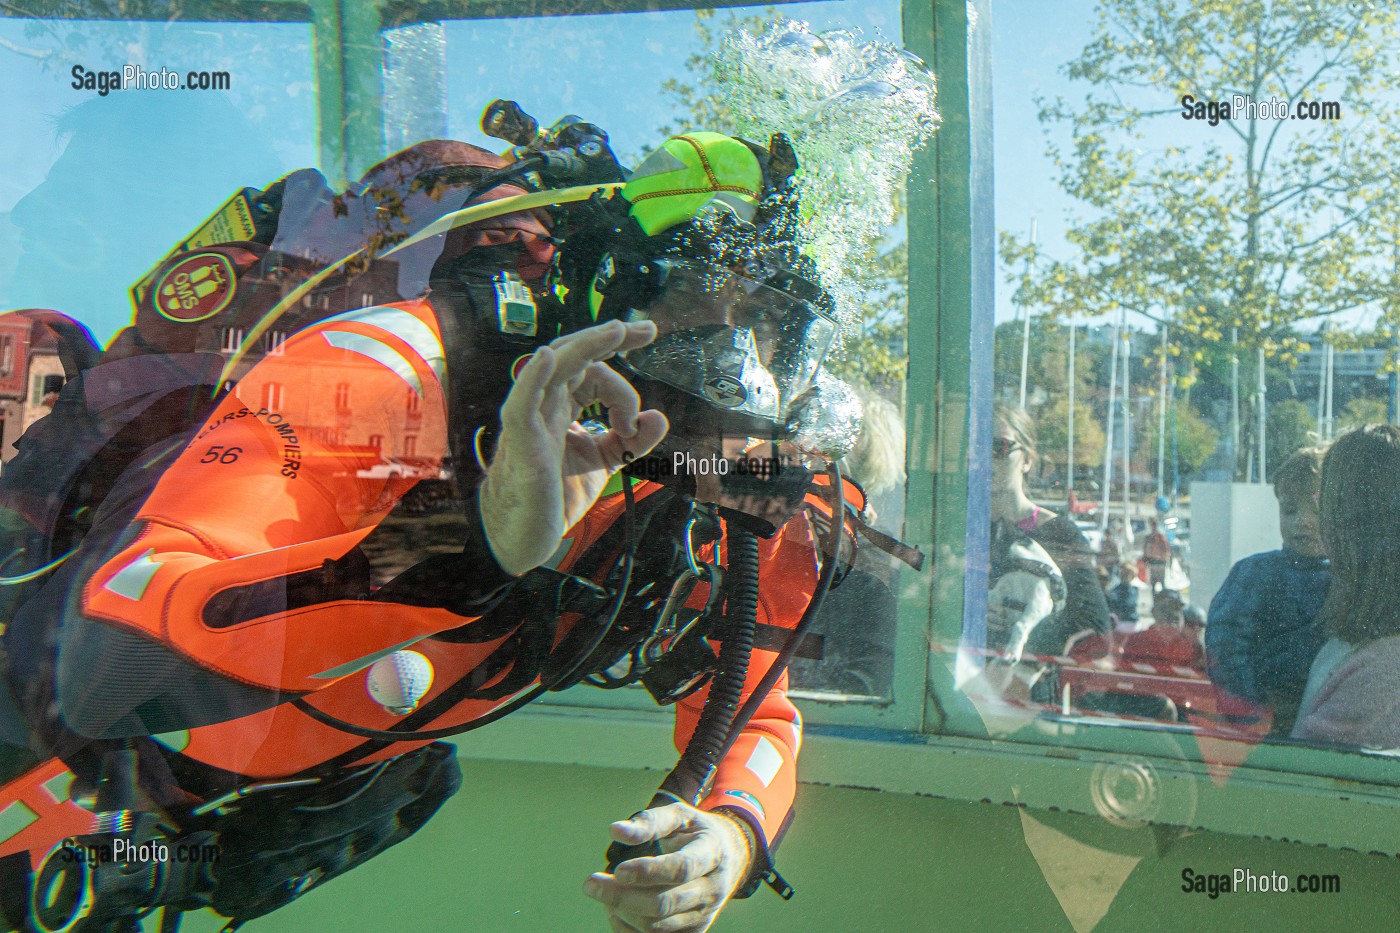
x,y
680,592
665,631
690,562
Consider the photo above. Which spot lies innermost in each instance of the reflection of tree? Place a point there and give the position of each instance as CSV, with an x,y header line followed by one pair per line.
x,y
1196,439
1290,427
875,353
1047,368
1053,426
1047,379
1362,411
1251,224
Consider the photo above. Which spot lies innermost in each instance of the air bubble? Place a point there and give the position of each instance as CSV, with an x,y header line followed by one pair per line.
x,y
802,42
855,110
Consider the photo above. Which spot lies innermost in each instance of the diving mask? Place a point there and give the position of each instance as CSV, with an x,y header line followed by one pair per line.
x,y
744,344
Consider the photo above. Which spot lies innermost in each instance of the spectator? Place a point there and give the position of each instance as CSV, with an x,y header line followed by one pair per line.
x,y
1168,641
1156,553
1195,618
1123,597
1014,453
1264,629
877,460
1351,694
1110,552
856,624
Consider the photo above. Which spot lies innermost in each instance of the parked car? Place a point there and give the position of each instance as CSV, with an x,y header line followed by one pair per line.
x,y
407,467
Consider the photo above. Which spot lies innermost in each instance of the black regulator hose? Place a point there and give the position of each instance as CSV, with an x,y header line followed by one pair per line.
x,y
828,574
688,780
702,753
627,559
679,784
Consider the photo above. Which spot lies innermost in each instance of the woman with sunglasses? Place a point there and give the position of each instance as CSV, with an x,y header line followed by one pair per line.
x,y
1013,457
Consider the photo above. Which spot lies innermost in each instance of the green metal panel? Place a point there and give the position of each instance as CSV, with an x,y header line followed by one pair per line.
x,y
192,11
511,850
363,49
927,246
1177,789
349,64
940,297
326,51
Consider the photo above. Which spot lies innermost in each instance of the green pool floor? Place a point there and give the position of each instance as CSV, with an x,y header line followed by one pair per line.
x,y
511,850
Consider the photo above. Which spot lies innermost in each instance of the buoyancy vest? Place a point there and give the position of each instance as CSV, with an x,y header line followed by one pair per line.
x,y
233,291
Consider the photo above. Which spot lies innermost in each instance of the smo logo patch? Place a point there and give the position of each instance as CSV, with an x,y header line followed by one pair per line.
x,y
725,391
518,365
195,289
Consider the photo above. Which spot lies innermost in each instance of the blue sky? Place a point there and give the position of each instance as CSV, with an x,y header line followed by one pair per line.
x,y
606,68
1030,42
93,244
153,164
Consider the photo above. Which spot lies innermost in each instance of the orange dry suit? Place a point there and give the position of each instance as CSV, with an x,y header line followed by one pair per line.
x,y
246,577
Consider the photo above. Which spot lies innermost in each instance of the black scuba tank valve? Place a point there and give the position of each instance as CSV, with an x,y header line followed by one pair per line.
x,y
104,881
571,151
504,119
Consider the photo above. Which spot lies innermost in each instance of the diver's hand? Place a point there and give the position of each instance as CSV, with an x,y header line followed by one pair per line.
x,y
548,471
705,857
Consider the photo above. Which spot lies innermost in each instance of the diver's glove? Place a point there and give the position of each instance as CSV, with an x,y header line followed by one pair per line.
x,y
705,856
548,470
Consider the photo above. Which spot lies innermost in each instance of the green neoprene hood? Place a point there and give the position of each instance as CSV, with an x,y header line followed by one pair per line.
x,y
689,172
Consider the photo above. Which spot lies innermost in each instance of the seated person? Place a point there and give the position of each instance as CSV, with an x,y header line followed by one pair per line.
x,y
1169,641
1264,627
1110,553
1195,618
1043,586
850,648
1089,646
1068,551
1123,596
1027,593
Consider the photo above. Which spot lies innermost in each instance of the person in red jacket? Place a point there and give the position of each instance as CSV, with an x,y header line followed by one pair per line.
x,y
1156,555
1169,640
235,599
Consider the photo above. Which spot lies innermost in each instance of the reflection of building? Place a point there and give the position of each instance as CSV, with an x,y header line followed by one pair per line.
x,y
30,373
14,343
384,437
1355,374
322,405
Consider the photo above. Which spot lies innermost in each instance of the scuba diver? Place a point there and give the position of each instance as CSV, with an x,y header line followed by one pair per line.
x,y
598,359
